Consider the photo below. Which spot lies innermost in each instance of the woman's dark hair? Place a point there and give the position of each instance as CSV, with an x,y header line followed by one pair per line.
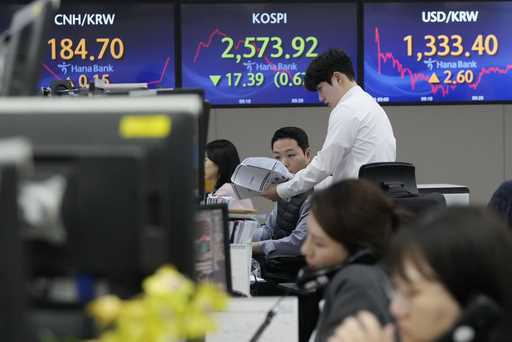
x,y
224,154
357,214
468,249
501,201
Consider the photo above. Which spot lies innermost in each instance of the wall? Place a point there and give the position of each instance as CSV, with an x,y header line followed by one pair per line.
x,y
466,145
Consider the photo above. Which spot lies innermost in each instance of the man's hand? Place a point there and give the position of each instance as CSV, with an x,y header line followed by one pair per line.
x,y
271,193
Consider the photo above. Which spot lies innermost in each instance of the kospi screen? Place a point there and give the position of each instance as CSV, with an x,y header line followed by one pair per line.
x,y
257,54
120,43
438,52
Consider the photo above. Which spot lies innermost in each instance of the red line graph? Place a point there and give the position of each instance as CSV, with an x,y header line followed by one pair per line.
x,y
217,32
414,77
53,73
162,73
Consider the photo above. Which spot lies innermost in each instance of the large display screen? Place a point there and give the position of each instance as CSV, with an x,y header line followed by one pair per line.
x,y
438,52
119,43
257,54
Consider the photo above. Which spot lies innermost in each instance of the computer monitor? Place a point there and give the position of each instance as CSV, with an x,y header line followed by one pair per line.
x,y
256,53
212,245
13,297
114,41
442,52
128,162
200,131
23,46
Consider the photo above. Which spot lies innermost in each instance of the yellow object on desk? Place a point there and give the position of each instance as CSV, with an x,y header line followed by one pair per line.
x,y
171,308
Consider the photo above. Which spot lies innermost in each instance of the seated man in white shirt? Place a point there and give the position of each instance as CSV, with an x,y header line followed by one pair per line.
x,y
359,131
285,229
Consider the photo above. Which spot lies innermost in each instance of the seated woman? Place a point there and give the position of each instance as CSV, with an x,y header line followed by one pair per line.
x,y
452,277
348,230
220,162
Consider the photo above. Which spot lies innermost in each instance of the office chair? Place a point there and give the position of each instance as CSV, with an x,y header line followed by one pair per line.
x,y
398,180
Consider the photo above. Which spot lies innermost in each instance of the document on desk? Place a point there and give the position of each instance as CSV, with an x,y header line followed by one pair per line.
x,y
241,231
240,258
245,315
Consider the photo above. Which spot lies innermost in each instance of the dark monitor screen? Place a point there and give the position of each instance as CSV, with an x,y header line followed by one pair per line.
x,y
119,42
200,135
212,245
13,297
438,52
22,48
131,165
257,53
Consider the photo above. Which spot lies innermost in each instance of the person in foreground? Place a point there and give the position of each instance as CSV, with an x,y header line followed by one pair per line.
x,y
452,282
349,226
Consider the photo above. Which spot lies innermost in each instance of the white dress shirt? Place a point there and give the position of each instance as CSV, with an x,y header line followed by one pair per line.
x,y
359,132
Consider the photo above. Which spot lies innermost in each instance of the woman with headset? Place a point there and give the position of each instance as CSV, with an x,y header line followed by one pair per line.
x,y
220,162
452,276
349,227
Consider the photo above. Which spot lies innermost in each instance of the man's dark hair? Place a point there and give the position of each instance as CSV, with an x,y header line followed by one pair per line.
x,y
294,133
224,154
323,67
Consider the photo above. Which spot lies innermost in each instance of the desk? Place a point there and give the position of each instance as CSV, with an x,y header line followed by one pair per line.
x,y
453,194
308,303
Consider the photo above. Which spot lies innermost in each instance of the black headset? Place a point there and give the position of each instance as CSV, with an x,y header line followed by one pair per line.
x,y
311,280
477,321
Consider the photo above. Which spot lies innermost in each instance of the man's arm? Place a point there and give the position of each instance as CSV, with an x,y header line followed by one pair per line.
x,y
340,137
264,232
288,245
322,166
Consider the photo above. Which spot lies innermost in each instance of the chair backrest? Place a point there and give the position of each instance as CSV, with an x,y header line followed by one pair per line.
x,y
398,180
392,177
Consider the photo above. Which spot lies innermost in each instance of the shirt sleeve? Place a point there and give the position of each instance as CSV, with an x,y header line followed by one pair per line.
x,y
264,232
341,134
290,245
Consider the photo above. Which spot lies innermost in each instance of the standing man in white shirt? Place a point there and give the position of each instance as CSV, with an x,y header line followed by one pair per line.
x,y
359,131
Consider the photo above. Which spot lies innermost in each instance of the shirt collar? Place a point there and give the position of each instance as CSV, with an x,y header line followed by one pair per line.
x,y
351,92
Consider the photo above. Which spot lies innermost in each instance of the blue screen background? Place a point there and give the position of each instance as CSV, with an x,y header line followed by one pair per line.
x,y
403,79
203,27
147,31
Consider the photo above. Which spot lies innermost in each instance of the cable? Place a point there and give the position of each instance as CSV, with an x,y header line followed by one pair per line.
x,y
268,319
